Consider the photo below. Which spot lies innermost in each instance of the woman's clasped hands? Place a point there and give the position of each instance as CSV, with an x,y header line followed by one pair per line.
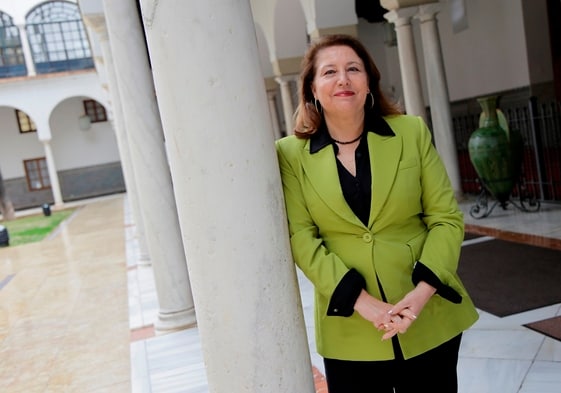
x,y
398,322
397,318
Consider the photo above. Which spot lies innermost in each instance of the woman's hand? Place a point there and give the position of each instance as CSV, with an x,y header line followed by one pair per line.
x,y
373,310
404,313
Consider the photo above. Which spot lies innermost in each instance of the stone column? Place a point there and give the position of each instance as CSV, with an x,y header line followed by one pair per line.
x,y
150,165
118,122
29,63
287,105
438,95
229,195
274,114
412,89
53,175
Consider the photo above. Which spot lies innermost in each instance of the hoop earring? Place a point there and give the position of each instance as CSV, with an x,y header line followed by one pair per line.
x,y
320,109
372,98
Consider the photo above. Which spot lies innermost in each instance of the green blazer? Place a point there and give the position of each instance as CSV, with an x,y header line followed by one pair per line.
x,y
414,217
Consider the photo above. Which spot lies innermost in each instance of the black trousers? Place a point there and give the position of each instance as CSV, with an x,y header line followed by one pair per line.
x,y
433,371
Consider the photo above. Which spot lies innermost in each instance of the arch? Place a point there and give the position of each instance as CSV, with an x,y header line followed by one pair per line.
x,y
76,146
308,6
263,47
57,37
90,88
16,146
87,159
263,20
49,92
53,11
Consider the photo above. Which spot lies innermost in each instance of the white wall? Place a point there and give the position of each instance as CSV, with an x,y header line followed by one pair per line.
x,y
490,55
76,148
15,146
333,13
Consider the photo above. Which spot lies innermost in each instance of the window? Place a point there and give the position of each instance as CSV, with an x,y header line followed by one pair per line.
x,y
37,174
95,111
12,62
25,123
58,38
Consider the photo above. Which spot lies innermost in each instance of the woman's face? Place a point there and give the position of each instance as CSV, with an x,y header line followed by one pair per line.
x,y
340,83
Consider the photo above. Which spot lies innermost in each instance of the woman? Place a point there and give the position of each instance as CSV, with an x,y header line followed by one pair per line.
x,y
375,226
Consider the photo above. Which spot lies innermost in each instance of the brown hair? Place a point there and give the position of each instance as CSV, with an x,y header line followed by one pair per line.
x,y
308,119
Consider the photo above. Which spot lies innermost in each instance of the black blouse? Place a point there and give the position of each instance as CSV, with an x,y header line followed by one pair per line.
x,y
357,191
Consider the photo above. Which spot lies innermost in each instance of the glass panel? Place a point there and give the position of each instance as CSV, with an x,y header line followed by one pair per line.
x,y
12,62
44,173
58,38
95,110
33,175
37,174
24,122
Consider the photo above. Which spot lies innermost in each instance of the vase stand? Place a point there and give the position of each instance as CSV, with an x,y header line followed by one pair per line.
x,y
483,206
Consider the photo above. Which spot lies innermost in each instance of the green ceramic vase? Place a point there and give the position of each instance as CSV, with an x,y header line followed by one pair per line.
x,y
491,153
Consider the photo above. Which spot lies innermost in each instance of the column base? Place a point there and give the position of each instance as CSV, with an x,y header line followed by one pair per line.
x,y
180,320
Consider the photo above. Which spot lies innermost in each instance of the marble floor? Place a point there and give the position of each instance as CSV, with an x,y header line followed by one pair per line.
x,y
77,313
64,320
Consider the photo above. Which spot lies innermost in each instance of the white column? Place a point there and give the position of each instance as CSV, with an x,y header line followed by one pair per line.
x,y
412,89
151,170
143,256
229,195
53,175
438,95
29,63
274,114
287,105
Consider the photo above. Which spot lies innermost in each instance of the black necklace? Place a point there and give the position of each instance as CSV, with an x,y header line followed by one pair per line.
x,y
348,142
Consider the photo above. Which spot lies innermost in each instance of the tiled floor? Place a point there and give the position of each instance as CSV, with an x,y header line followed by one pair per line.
x,y
66,325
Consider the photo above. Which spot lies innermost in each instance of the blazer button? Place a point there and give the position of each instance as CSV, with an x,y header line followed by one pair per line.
x,y
367,237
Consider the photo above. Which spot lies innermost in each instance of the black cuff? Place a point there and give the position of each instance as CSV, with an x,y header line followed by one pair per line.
x,y
344,297
423,273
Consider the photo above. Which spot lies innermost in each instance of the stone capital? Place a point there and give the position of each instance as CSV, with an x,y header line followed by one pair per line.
x,y
428,12
401,16
101,31
286,66
284,79
397,4
95,21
